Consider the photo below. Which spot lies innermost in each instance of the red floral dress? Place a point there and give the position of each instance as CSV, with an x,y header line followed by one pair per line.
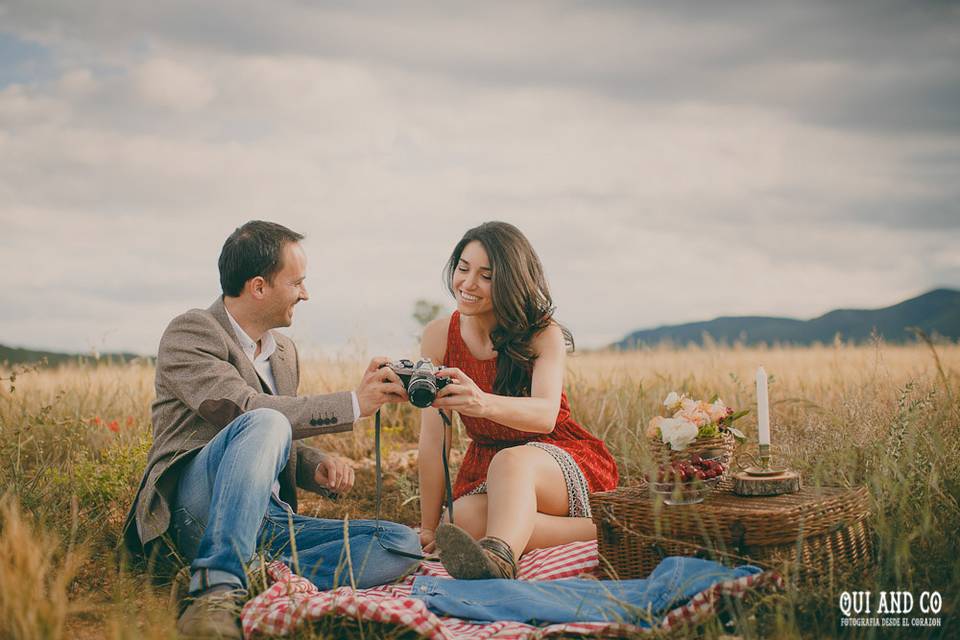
x,y
584,459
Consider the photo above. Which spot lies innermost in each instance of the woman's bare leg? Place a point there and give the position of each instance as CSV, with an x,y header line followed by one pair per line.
x,y
522,482
470,513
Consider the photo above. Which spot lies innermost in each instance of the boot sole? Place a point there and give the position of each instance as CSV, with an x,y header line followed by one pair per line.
x,y
461,555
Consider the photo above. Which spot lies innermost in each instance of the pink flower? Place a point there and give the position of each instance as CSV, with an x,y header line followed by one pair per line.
x,y
694,415
717,411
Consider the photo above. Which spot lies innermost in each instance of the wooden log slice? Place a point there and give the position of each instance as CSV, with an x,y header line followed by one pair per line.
x,y
746,485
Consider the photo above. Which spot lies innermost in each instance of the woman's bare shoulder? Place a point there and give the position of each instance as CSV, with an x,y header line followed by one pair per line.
x,y
433,344
548,339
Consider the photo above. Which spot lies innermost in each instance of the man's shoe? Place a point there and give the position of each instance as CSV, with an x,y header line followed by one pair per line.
x,y
467,559
213,614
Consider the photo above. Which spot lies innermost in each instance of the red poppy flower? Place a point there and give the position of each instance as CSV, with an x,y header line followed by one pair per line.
x,y
114,426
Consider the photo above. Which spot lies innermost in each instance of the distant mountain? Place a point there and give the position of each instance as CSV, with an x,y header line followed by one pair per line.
x,y
937,312
14,355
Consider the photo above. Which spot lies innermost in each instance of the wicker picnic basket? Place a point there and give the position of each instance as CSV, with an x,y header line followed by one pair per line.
x,y
719,446
810,534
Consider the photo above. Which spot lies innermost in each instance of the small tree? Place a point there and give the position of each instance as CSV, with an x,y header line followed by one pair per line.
x,y
424,311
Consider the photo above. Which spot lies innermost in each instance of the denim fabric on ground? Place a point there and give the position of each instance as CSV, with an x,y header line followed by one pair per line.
x,y
637,602
226,505
322,554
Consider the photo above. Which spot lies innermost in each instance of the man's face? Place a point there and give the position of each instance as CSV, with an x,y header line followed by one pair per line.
x,y
287,288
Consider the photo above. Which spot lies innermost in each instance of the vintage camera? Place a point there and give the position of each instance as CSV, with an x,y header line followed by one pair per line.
x,y
420,380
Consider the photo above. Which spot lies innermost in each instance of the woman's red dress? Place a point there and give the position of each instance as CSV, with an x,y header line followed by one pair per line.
x,y
488,437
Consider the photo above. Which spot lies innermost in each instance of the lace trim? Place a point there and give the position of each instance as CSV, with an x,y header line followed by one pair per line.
x,y
578,491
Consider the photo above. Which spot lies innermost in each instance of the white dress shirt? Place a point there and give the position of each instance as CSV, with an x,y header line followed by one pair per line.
x,y
261,362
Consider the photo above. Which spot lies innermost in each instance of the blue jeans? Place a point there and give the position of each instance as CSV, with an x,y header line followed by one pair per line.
x,y
226,507
638,602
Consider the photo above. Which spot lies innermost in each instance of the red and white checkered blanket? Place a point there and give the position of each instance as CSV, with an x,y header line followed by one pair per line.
x,y
292,601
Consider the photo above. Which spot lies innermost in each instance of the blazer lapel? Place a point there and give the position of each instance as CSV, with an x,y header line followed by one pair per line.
x,y
282,365
249,373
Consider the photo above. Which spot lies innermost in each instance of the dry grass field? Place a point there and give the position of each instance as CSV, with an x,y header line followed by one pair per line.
x,y
73,442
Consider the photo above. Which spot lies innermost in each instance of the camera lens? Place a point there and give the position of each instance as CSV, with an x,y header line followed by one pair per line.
x,y
422,390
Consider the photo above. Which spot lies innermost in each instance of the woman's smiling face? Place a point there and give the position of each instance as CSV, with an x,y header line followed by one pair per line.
x,y
473,281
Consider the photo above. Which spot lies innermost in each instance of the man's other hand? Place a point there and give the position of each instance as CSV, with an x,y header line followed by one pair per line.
x,y
379,386
335,473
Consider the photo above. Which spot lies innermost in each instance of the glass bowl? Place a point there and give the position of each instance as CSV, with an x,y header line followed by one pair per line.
x,y
677,493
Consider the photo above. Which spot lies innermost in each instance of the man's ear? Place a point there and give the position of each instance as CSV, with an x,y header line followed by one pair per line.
x,y
256,286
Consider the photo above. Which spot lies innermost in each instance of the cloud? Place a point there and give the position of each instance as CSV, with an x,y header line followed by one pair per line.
x,y
669,163
852,64
169,84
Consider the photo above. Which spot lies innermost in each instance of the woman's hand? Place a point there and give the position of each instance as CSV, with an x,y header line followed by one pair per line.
x,y
428,540
461,394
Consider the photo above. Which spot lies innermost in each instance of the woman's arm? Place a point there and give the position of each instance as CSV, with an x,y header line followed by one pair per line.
x,y
536,414
429,462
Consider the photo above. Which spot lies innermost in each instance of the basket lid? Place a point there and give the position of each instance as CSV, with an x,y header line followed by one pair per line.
x,y
736,520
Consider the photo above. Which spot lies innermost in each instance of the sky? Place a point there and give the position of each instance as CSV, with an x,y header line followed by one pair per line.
x,y
669,162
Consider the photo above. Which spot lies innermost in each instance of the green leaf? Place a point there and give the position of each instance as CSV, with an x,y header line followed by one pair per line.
x,y
738,434
707,430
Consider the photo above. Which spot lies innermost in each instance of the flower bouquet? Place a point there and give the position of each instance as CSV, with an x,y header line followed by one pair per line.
x,y
697,427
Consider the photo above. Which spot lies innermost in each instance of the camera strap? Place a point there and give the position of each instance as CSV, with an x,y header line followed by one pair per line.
x,y
446,464
446,479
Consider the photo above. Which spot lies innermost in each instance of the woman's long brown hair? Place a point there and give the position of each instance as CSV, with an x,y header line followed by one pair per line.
x,y
521,301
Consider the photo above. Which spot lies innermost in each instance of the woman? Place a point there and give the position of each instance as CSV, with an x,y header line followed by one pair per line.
x,y
526,477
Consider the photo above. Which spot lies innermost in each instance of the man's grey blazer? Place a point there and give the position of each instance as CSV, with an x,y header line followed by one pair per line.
x,y
203,381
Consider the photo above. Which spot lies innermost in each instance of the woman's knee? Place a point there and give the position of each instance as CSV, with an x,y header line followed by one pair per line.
x,y
510,460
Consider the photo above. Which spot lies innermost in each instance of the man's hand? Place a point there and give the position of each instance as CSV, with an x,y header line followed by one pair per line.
x,y
379,386
335,473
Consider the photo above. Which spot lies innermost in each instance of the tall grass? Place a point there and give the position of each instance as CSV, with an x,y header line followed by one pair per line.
x,y
36,570
73,442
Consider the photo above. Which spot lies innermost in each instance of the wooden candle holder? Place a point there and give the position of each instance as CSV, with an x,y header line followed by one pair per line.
x,y
775,484
763,479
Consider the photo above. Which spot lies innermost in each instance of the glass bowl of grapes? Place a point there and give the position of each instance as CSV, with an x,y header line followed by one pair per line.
x,y
686,481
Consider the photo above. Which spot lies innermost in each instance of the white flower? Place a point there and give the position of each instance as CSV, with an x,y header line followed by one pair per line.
x,y
672,401
678,433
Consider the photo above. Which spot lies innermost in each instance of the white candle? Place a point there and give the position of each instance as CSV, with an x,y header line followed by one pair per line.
x,y
763,407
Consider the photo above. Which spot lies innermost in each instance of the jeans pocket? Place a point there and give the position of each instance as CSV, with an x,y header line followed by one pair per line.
x,y
187,532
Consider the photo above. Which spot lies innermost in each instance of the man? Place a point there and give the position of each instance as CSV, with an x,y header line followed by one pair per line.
x,y
222,473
